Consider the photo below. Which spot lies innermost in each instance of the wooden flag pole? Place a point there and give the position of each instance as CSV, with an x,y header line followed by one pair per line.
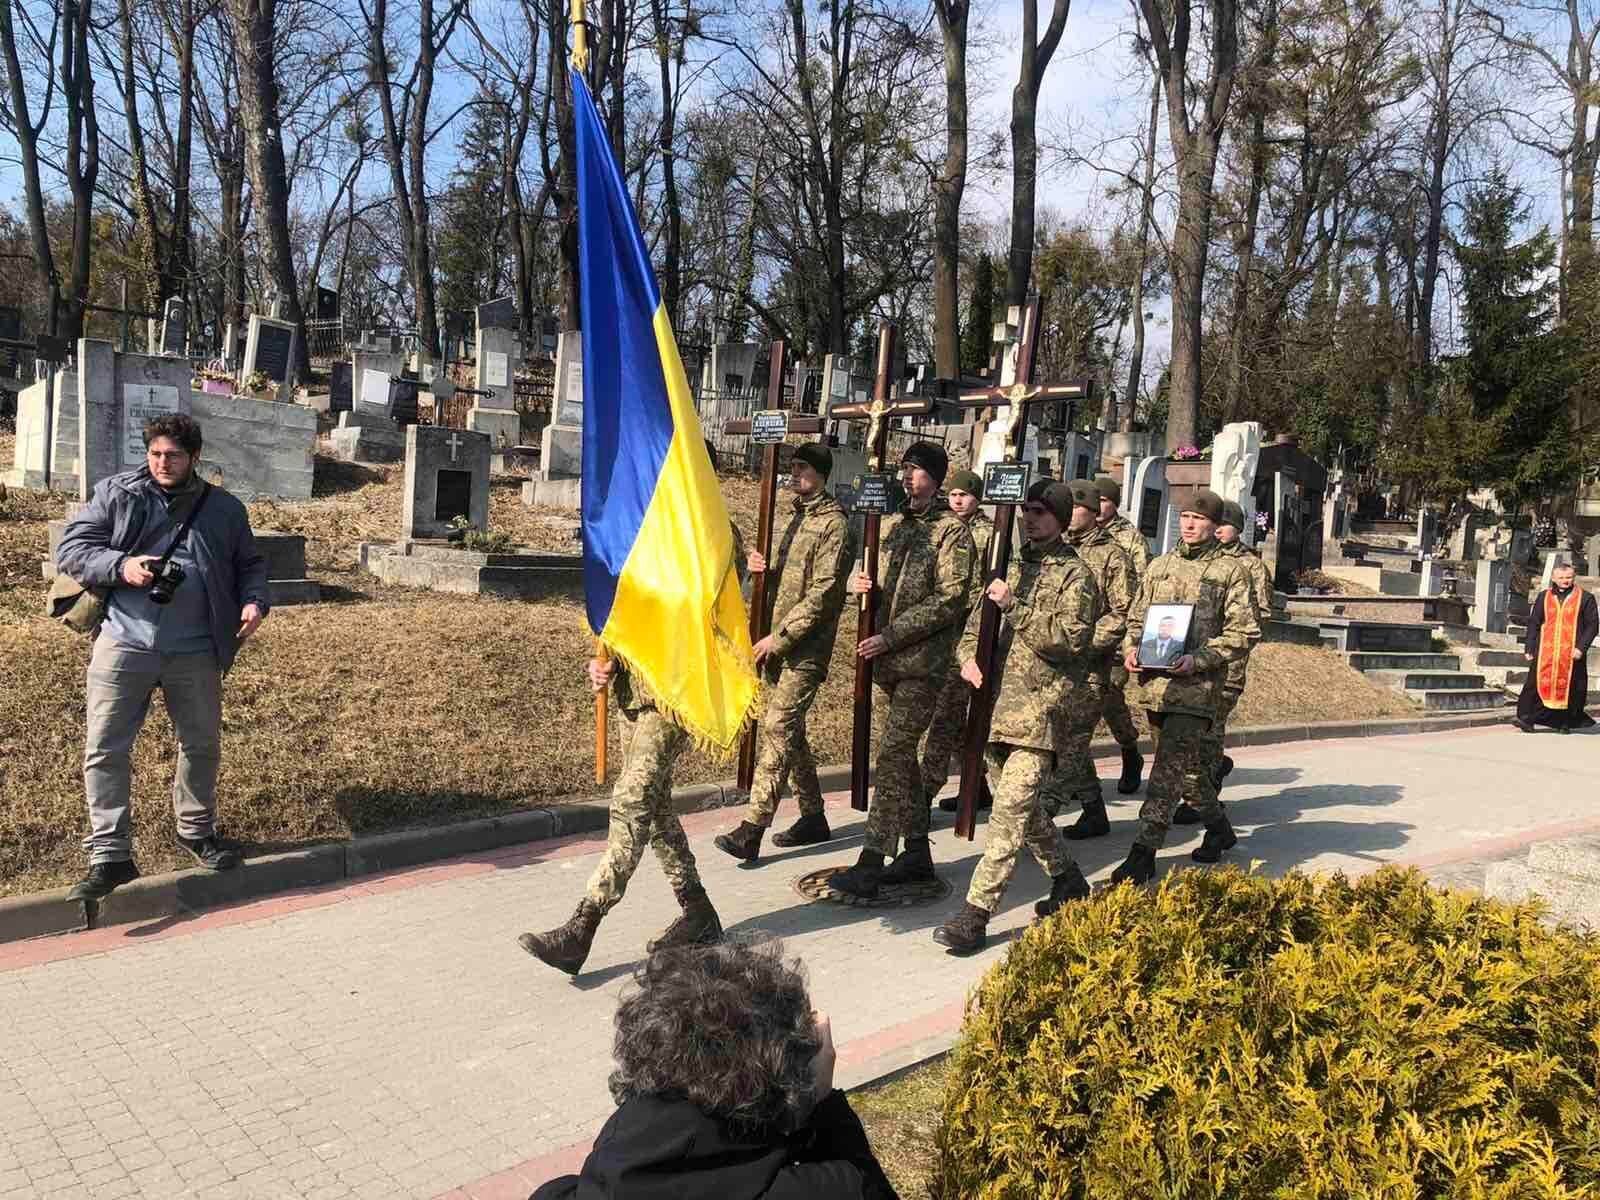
x,y
602,734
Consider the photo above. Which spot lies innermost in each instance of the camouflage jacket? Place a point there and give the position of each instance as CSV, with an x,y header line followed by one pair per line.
x,y
981,527
925,566
806,578
631,695
1126,534
1043,653
1113,573
1221,631
1260,592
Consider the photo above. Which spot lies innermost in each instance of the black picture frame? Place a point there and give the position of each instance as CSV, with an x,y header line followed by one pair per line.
x,y
1150,660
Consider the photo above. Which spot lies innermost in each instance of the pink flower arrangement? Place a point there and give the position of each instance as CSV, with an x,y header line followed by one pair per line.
x,y
1186,453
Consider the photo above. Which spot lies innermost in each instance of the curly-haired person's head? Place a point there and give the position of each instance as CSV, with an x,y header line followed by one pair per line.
x,y
727,1027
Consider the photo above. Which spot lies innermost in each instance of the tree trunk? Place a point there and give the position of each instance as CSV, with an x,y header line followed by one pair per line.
x,y
1036,55
1147,203
1245,251
671,273
427,311
82,152
27,135
253,22
948,188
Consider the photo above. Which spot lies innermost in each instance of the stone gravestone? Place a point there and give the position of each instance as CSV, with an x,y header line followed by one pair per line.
x,y
1235,451
499,352
269,348
1464,540
367,432
1427,530
1491,596
341,390
1432,581
45,454
562,446
174,328
1591,555
1079,457
499,313
230,346
117,394
447,476
1522,545
1145,502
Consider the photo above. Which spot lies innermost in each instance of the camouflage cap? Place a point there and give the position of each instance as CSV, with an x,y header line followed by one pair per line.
x,y
965,481
1108,488
1205,503
1232,514
1085,494
1054,495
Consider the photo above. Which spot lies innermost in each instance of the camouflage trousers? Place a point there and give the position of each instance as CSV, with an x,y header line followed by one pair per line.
x,y
1016,777
1118,719
1226,703
1182,770
900,713
783,754
945,733
641,812
1074,776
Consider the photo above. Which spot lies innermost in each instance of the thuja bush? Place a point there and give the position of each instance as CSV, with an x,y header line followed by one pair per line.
x,y
1226,1035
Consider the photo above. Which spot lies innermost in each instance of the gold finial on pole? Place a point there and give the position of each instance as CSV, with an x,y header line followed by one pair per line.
x,y
580,39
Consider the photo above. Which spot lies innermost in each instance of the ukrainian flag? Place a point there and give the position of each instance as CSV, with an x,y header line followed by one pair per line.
x,y
658,571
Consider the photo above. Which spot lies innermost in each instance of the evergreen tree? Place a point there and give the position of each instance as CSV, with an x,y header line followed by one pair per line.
x,y
470,250
977,338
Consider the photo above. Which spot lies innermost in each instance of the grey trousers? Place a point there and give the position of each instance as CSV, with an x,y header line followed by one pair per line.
x,y
121,682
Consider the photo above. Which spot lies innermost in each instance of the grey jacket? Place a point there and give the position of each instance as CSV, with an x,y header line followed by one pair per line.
x,y
231,566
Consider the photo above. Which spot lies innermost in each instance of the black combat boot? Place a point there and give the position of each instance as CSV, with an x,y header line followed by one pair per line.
x,y
1068,886
966,932
810,830
744,843
1224,769
1092,823
102,879
1132,771
1139,868
1219,837
698,926
862,879
566,946
211,853
953,801
1186,814
914,864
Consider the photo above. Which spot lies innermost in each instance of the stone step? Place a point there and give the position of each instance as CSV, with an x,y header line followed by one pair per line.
x,y
1517,631
1500,658
1457,699
1374,660
1427,681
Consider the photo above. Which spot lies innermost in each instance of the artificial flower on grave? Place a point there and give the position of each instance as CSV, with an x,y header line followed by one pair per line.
x,y
1264,521
1186,453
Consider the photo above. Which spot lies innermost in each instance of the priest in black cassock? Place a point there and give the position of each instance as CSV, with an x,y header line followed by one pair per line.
x,y
1562,623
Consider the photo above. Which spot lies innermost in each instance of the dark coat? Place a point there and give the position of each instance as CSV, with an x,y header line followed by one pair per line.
x,y
657,1149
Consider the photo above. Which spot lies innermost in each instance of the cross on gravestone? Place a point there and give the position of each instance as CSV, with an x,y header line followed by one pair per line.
x,y
455,444
117,394
446,476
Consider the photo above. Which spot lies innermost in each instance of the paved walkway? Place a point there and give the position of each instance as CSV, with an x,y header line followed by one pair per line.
x,y
389,1039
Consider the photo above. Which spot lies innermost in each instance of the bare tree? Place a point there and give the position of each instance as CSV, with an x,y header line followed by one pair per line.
x,y
948,188
1036,54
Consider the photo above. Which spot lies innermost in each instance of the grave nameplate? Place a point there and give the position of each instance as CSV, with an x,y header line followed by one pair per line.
x,y
453,497
500,313
769,427
572,396
340,386
142,403
174,328
327,303
272,350
875,494
403,402
375,391
496,369
1150,512
1005,483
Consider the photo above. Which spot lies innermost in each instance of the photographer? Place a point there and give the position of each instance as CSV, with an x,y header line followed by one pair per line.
x,y
176,625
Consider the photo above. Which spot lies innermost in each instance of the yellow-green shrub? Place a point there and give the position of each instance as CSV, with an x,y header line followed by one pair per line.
x,y
1232,1036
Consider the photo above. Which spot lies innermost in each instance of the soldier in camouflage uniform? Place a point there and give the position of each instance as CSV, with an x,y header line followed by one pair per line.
x,y
925,565
1118,719
641,815
1261,592
1049,603
965,493
803,604
1182,705
1075,778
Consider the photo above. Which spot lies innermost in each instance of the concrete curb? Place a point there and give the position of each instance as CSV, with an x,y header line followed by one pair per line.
x,y
162,897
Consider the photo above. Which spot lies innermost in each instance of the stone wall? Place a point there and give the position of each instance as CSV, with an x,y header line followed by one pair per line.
x,y
262,448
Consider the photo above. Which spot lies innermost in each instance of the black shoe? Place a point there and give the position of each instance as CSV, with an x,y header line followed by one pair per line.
x,y
913,865
744,843
102,879
1132,772
210,853
566,946
698,926
1525,726
1223,769
966,932
1186,814
1564,729
862,879
810,830
1219,837
1064,888
1139,869
953,801
1092,824
950,803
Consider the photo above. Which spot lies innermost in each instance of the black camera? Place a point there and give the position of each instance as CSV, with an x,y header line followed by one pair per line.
x,y
169,577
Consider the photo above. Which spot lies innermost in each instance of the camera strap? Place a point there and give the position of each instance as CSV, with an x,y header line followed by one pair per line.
x,y
183,530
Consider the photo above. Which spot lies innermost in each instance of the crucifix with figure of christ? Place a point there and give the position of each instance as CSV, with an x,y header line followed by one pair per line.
x,y
767,429
878,414
1018,398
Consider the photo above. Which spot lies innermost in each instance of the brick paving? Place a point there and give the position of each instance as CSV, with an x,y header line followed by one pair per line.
x,y
387,1038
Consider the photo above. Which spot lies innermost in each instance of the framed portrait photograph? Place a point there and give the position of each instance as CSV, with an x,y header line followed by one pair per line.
x,y
1166,636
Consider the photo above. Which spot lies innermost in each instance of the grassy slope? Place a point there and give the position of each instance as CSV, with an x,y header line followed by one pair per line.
x,y
385,707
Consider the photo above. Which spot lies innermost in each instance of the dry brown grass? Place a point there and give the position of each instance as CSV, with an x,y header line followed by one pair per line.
x,y
1322,581
383,708
902,1118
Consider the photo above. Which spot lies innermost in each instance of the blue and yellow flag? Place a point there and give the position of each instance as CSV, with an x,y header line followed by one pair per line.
x,y
658,570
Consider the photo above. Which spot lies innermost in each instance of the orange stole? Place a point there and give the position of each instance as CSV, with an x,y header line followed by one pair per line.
x,y
1557,639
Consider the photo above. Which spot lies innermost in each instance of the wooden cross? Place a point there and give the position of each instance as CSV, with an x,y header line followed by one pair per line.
x,y
1019,398
877,415
759,617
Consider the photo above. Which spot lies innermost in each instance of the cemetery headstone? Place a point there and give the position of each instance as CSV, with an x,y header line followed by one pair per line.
x,y
1145,502
446,477
1432,581
327,304
174,328
117,394
403,400
1464,539
561,443
1491,596
1427,530
1591,555
499,352
1235,451
1079,457
340,387
499,313
269,348
230,346
376,397
1522,545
